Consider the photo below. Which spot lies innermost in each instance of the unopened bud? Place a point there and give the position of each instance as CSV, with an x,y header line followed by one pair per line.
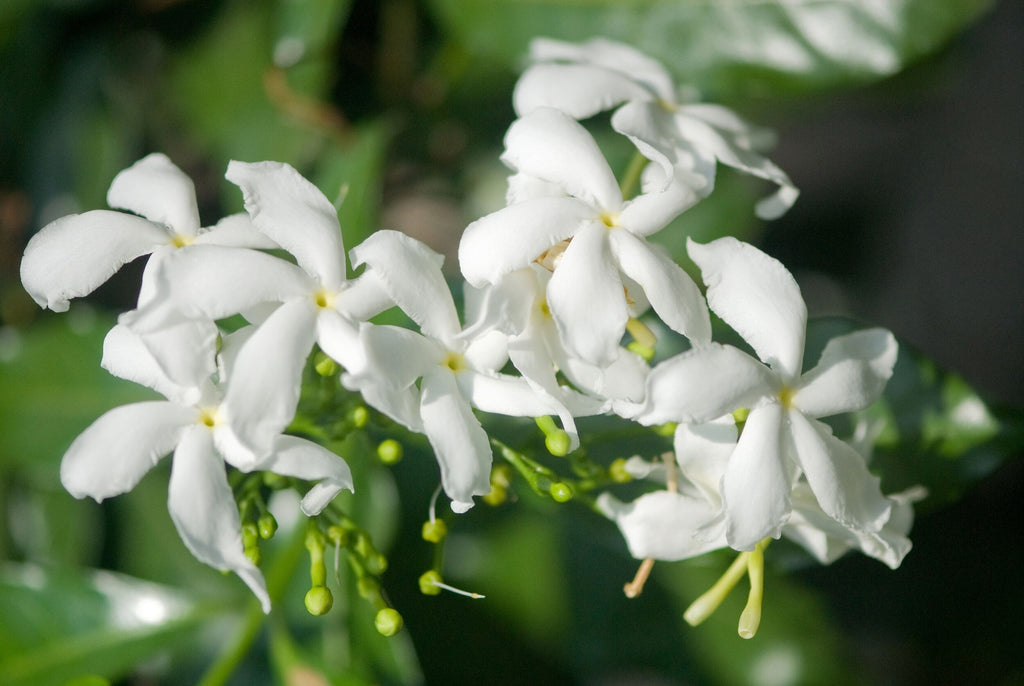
x,y
434,531
390,451
319,600
388,622
325,366
430,583
267,525
561,492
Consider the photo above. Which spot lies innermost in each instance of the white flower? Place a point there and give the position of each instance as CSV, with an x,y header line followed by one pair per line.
x,y
781,437
599,74
587,235
454,373
115,452
72,256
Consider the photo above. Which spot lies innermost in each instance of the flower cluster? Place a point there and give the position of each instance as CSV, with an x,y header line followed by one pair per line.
x,y
558,282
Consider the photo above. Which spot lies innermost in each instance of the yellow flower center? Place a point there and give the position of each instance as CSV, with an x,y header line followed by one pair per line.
x,y
179,241
610,219
324,299
455,361
209,416
786,396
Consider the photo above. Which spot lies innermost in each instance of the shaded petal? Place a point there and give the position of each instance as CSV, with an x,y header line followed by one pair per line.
x,y
395,356
263,387
204,511
610,55
400,404
502,394
486,352
703,451
552,146
622,379
579,90
838,475
670,290
306,460
662,525
189,348
459,442
339,338
73,255
156,189
410,273
296,216
363,297
236,231
702,384
652,211
758,298
758,481
530,359
117,450
515,236
507,305
586,297
850,375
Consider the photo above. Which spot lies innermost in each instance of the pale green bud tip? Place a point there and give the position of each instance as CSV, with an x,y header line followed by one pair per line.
x,y
434,531
325,366
740,415
388,622
253,553
376,563
561,492
430,583
360,417
319,600
646,352
557,443
250,534
368,587
618,472
750,620
267,525
389,451
666,429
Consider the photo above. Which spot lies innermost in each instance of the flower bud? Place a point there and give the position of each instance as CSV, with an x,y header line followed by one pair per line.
x,y
429,582
324,365
561,492
267,525
389,451
388,622
434,531
319,600
368,587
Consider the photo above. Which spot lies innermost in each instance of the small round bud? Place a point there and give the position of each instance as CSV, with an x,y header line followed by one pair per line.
x,y
618,472
376,563
253,553
434,531
319,600
740,415
360,416
666,429
388,622
561,492
325,366
557,443
429,581
250,534
337,535
368,587
497,495
390,451
267,525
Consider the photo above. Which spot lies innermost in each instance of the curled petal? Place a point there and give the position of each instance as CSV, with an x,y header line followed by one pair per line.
x,y
670,290
587,299
186,350
550,145
236,231
758,298
117,450
73,255
611,55
662,525
757,483
703,451
296,216
459,442
204,511
156,189
515,236
579,90
302,459
838,476
850,375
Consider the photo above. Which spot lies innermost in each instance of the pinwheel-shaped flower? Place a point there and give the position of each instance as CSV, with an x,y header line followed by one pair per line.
x,y
599,74
72,256
781,437
587,235
115,452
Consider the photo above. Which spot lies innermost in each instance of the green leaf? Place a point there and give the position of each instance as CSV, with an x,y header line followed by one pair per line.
x,y
59,625
726,47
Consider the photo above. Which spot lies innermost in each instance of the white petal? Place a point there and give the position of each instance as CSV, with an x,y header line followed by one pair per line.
x,y
339,338
502,394
459,442
410,274
662,525
304,459
702,384
117,450
515,236
611,55
757,483
263,387
531,360
236,231
554,147
653,210
850,375
703,451
579,90
670,290
507,305
73,255
396,357
757,297
363,297
204,511
486,352
622,379
586,297
400,404
156,189
296,216
189,348
838,475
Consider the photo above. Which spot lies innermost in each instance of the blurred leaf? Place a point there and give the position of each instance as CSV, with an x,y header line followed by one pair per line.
x,y
59,626
727,47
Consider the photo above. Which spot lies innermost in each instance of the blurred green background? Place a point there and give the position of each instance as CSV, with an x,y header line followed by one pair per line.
x,y
901,122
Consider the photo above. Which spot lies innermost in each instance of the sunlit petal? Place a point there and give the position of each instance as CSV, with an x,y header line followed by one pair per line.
x,y
850,375
156,189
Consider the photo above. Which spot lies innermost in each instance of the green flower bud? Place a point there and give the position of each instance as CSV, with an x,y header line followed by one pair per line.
x,y
434,531
390,451
267,525
666,429
388,622
337,535
253,553
376,563
497,495
643,351
368,587
429,581
325,366
319,600
561,492
617,471
250,535
359,416
557,443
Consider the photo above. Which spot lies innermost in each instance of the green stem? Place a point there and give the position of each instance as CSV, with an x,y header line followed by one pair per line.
x,y
631,179
277,578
